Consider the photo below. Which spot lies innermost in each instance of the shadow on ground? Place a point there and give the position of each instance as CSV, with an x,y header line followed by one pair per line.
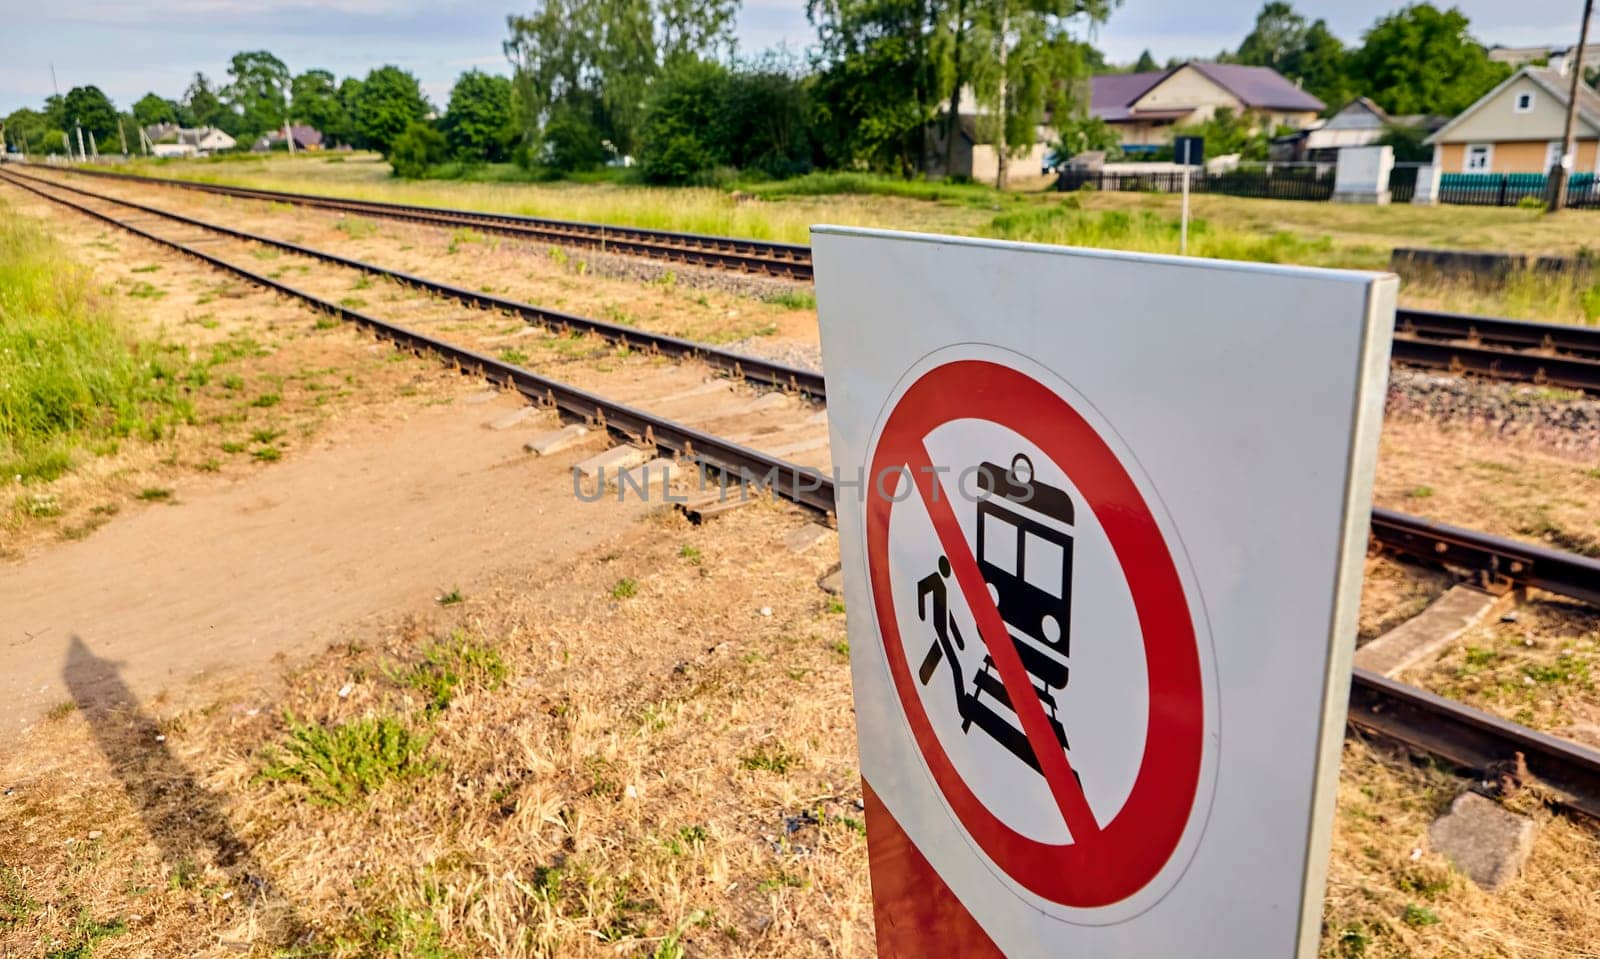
x,y
184,818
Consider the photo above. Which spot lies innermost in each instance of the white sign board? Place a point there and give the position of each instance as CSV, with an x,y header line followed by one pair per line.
x,y
1102,518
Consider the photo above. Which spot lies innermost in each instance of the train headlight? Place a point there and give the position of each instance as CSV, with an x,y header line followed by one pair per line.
x,y
1050,628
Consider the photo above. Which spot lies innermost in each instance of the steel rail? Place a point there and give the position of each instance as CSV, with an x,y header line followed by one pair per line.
x,y
788,260
780,375
1547,353
1466,737
801,484
1494,347
1473,739
1493,561
1498,561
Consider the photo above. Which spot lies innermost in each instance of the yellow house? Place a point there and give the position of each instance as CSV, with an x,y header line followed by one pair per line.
x,y
1517,128
1144,107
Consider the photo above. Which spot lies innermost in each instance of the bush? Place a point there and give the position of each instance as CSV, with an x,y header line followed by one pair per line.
x,y
685,132
571,141
417,149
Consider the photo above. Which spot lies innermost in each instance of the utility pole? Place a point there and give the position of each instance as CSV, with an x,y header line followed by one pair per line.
x,y
123,137
1000,177
1563,167
81,155
93,145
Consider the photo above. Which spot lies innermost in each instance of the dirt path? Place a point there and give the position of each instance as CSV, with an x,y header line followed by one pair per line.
x,y
236,573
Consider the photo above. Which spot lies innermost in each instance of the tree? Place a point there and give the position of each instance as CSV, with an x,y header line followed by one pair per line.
x,y
91,109
1422,60
684,133
152,109
201,107
417,147
390,100
32,131
314,100
349,130
479,124
1279,33
1322,65
1146,64
1037,65
1407,143
588,66
258,93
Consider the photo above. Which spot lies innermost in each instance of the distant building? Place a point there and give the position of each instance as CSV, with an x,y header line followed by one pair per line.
x,y
1517,127
974,155
1358,123
1555,57
183,141
305,138
1144,107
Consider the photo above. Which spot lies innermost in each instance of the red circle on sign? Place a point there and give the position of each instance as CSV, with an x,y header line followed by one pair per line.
x,y
1114,862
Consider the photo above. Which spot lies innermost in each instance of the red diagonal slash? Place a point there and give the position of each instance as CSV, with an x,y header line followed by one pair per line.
x,y
1052,760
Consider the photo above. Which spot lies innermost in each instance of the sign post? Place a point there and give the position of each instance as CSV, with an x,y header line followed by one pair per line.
x,y
1102,519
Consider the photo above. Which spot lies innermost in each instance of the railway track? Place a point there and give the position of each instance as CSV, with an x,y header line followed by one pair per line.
x,y
1549,354
1470,738
785,260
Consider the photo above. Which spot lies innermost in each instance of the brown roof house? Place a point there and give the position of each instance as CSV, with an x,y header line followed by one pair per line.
x,y
1359,123
1517,127
1144,107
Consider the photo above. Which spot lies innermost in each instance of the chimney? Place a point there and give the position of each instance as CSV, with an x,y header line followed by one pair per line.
x,y
1561,61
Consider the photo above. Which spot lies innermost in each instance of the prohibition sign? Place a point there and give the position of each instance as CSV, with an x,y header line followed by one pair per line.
x,y
1106,862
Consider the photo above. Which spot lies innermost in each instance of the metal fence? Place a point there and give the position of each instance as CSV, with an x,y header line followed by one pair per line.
x,y
1292,183
1510,189
1316,183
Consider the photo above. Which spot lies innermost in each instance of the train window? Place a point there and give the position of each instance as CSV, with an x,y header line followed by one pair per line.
x,y
1041,564
1000,543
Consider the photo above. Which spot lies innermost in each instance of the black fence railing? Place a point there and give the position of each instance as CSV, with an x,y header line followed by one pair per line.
x,y
1293,183
1403,183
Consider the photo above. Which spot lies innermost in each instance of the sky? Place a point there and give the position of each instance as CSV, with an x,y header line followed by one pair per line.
x,y
129,48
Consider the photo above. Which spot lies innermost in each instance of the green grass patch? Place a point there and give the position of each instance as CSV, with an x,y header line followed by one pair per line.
x,y
448,665
1066,223
146,291
155,494
625,589
340,765
794,299
775,760
266,400
70,376
268,454
356,228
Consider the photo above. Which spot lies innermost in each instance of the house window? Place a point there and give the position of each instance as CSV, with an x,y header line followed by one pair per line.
x,y
1480,156
1524,103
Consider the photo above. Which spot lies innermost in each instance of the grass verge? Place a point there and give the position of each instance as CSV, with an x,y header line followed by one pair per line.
x,y
70,375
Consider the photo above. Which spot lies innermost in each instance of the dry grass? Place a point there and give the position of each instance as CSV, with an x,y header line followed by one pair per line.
x,y
667,773
1465,476
1539,669
261,376
1320,234
657,772
1390,897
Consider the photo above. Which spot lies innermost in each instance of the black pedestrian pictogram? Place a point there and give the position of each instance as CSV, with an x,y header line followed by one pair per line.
x,y
1024,551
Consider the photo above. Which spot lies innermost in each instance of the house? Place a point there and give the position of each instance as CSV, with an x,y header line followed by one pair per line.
x,y
207,139
974,156
1517,127
1144,107
1359,123
305,138
1552,56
